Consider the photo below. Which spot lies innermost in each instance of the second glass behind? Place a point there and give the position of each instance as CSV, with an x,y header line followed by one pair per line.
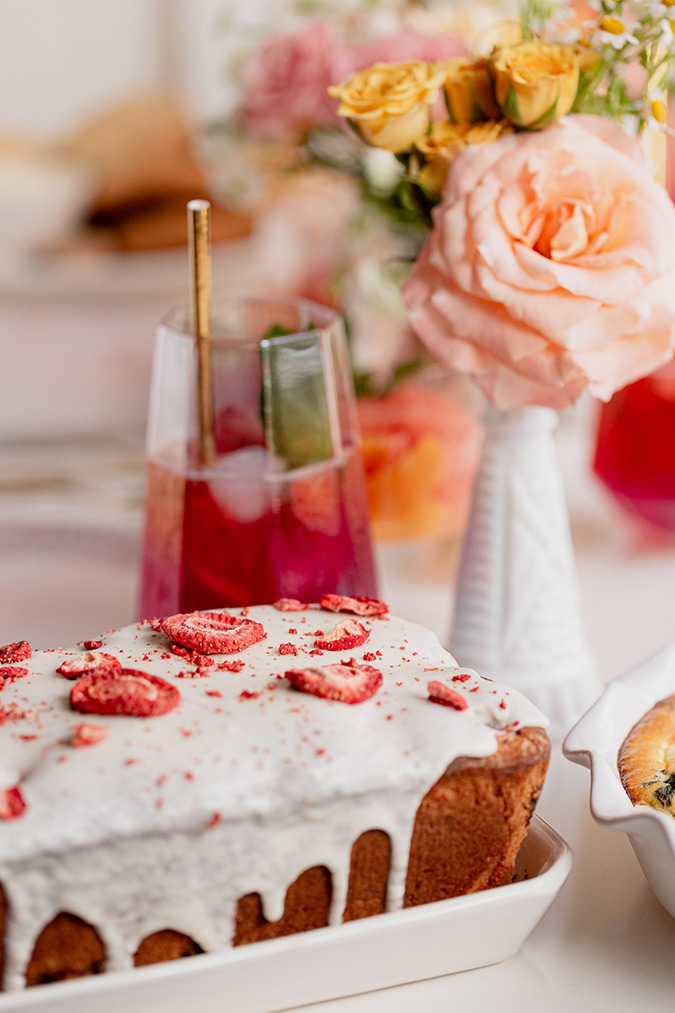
x,y
281,509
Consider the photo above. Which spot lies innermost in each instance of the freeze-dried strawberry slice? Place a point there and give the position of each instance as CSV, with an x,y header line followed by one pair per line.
x,y
10,673
212,632
289,605
12,803
88,735
359,604
20,651
129,691
440,693
343,637
348,683
88,663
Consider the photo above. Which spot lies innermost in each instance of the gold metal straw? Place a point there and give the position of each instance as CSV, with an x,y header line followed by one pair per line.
x,y
199,253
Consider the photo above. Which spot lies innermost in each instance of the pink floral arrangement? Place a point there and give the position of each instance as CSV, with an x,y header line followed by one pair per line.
x,y
286,82
285,156
549,264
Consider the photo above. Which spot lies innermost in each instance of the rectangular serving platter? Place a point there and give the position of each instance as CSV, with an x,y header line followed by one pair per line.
x,y
329,963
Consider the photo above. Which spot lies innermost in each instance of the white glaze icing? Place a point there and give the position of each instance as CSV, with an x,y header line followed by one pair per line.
x,y
171,819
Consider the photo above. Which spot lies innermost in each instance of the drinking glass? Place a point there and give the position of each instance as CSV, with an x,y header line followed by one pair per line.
x,y
278,508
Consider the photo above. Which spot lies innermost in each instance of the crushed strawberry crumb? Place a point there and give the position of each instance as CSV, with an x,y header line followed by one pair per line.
x,y
19,651
287,649
88,735
247,694
90,645
12,803
10,673
360,605
88,663
231,666
214,821
440,693
289,605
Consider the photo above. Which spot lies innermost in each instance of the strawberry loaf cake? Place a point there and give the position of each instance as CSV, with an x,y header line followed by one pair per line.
x,y
220,778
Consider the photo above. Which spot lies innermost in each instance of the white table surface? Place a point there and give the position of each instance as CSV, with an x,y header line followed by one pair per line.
x,y
70,514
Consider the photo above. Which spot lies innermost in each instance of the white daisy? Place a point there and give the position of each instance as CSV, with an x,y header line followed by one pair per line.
x,y
667,32
655,110
656,9
613,32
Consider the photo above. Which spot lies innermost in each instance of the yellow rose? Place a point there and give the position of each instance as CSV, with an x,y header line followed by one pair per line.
x,y
468,91
587,57
445,141
389,103
535,82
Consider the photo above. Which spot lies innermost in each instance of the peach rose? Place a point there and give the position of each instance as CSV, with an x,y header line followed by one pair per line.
x,y
550,267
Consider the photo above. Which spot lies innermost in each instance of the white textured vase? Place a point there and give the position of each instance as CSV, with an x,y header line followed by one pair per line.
x,y
517,614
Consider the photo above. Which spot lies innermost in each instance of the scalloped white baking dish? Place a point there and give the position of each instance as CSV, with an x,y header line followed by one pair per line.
x,y
362,956
594,742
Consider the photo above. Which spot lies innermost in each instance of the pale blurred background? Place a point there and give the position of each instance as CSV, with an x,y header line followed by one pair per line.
x,y
62,62
79,303
92,256
101,111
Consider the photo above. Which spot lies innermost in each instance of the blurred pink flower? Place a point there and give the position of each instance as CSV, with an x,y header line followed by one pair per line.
x,y
286,84
396,49
550,267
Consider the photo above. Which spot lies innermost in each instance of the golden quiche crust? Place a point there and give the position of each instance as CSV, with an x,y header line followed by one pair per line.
x,y
646,758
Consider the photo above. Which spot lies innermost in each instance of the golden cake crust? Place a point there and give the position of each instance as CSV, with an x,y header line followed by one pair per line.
x,y
646,758
467,832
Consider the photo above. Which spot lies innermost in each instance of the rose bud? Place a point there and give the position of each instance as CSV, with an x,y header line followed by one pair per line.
x,y
535,82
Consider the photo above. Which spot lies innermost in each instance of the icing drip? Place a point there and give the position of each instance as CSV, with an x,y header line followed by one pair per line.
x,y
168,821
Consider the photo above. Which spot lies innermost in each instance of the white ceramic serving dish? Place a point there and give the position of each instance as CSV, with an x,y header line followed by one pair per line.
x,y
362,956
595,741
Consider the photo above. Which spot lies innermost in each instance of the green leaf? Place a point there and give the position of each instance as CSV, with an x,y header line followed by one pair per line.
x,y
511,107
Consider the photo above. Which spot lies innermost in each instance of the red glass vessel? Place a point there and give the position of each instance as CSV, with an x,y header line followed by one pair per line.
x,y
635,448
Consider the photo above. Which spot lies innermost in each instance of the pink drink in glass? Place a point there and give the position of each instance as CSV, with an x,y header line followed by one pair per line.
x,y
250,527
216,541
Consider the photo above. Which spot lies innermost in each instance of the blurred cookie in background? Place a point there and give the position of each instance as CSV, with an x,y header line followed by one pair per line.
x,y
142,156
